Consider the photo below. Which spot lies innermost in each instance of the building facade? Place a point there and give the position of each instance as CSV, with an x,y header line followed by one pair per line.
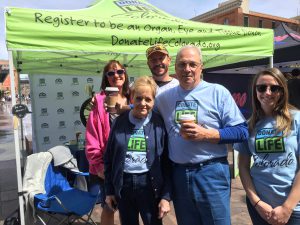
x,y
237,13
5,89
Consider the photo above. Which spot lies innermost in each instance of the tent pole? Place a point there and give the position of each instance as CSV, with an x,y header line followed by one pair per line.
x,y
16,138
271,62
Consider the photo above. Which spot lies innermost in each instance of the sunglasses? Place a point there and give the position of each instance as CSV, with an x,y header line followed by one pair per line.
x,y
113,72
273,88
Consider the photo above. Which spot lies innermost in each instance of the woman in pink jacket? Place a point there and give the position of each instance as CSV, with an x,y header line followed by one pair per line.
x,y
98,128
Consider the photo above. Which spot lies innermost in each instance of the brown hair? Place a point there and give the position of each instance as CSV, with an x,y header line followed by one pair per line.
x,y
281,111
105,83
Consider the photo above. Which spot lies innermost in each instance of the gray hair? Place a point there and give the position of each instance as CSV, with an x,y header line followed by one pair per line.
x,y
192,47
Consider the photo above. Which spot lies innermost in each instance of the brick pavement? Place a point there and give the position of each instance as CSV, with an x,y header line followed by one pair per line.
x,y
239,214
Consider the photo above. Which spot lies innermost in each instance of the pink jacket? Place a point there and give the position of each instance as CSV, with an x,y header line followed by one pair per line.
x,y
97,132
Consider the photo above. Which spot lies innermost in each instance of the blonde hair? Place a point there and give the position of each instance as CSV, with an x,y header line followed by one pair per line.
x,y
281,112
143,81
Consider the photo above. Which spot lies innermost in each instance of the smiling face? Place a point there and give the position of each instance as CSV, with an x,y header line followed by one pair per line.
x,y
188,68
143,101
159,63
268,99
118,78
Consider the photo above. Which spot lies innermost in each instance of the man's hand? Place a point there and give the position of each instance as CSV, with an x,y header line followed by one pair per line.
x,y
195,132
164,208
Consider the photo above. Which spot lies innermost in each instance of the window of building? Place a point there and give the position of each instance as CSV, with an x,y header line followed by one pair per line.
x,y
273,24
226,21
246,21
260,24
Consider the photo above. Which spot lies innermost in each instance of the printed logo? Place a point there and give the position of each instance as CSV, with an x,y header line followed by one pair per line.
x,y
77,123
90,80
75,93
137,141
58,81
60,111
75,81
76,109
44,112
186,107
62,138
46,140
44,125
136,149
42,82
136,9
61,124
42,95
60,95
268,140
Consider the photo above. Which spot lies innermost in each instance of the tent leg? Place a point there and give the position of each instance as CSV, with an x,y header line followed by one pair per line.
x,y
16,138
271,62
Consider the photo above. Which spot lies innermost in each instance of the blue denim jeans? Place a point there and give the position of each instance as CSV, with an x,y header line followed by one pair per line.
x,y
137,197
202,193
258,220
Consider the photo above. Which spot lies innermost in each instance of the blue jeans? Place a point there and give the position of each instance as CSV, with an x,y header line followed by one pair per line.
x,y
202,193
258,220
137,196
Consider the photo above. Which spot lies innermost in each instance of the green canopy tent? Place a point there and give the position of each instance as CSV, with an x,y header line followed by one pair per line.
x,y
82,41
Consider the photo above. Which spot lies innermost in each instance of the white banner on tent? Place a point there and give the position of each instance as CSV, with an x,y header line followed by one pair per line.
x,y
56,102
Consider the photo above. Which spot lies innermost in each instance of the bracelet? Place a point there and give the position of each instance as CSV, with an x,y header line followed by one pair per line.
x,y
256,203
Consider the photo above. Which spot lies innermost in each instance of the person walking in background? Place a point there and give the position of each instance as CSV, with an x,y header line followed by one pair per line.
x,y
137,179
272,184
98,128
200,172
294,88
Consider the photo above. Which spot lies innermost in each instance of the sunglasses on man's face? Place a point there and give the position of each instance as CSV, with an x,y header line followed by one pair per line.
x,y
273,88
113,72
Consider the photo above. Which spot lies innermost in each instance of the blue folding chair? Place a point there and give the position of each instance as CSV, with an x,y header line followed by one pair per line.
x,y
61,199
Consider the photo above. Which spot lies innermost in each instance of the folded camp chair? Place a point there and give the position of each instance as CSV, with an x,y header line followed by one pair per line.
x,y
61,199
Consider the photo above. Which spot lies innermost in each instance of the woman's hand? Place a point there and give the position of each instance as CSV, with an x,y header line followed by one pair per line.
x,y
164,208
264,210
111,202
120,108
280,215
101,174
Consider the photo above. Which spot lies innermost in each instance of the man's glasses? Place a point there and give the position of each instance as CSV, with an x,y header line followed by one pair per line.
x,y
192,65
113,72
273,88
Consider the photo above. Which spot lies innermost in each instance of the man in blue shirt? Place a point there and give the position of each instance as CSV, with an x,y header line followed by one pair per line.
x,y
201,177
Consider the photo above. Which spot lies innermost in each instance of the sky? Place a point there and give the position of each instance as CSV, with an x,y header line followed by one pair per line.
x,y
185,9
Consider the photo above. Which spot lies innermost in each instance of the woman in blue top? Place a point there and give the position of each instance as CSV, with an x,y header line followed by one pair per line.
x,y
137,168
272,184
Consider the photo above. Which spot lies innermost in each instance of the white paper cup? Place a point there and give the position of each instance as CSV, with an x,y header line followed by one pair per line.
x,y
186,118
111,98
